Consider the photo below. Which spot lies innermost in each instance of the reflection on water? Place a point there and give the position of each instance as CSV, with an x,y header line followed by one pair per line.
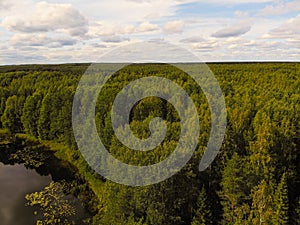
x,y
15,182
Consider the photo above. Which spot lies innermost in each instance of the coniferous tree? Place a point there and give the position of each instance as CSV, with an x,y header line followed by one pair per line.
x,y
203,215
281,203
232,192
262,210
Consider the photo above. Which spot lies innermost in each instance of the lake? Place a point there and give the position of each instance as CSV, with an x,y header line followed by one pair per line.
x,y
15,182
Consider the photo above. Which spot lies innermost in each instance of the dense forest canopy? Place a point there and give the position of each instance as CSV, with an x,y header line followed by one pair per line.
x,y
254,180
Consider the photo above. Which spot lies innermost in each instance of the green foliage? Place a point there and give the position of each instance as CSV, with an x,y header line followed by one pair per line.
x,y
44,121
203,215
262,211
11,118
232,193
281,202
31,114
254,180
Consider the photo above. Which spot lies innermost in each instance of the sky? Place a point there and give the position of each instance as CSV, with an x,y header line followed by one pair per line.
x,y
65,31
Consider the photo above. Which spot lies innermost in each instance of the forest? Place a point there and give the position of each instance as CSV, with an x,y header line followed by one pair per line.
x,y
254,180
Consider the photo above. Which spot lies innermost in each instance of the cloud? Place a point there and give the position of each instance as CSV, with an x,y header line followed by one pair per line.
x,y
16,7
97,45
40,40
151,1
218,2
4,5
294,42
204,1
289,29
281,8
206,45
129,12
147,27
233,31
47,17
104,28
194,39
240,44
174,27
241,14
114,39
78,31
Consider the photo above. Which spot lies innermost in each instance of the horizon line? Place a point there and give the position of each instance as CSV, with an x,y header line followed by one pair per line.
x,y
191,62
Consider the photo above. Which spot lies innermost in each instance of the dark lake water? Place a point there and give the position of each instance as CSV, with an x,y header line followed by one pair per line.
x,y
15,182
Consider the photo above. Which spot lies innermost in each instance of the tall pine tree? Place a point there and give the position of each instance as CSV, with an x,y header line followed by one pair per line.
x,y
281,203
232,192
203,215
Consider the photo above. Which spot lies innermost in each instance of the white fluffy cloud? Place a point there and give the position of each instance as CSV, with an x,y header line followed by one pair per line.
x,y
147,27
128,11
8,7
206,45
104,28
289,29
4,5
174,27
75,31
47,17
